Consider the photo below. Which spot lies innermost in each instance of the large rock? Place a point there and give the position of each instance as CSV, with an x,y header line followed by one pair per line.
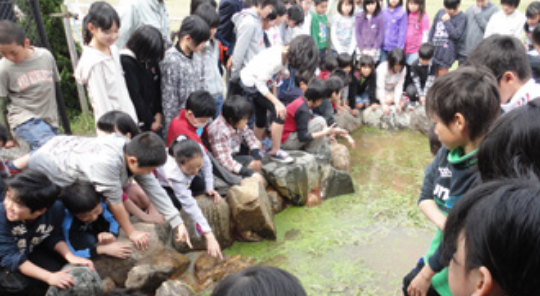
x,y
372,118
218,217
420,121
117,269
208,269
174,288
251,211
87,283
294,181
156,268
347,121
335,182
341,158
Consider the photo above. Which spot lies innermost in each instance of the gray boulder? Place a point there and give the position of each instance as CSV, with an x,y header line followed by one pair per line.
x,y
87,283
420,122
294,181
372,118
335,183
174,288
347,121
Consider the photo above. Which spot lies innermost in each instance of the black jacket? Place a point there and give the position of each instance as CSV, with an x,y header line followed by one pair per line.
x,y
356,89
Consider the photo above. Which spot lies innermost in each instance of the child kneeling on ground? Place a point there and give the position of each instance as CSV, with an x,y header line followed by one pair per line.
x,y
186,157
229,132
300,131
89,228
32,248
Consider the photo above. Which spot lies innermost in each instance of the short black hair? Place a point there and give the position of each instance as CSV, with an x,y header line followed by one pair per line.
x,y
260,280
434,142
196,28
498,223
303,55
533,9
148,148
280,9
115,120
366,61
509,149
79,198
377,6
426,51
399,4
33,189
11,32
263,3
184,149
535,36
334,84
329,63
201,103
318,2
317,90
147,44
513,3
209,14
339,73
102,16
235,109
396,57
295,13
452,4
470,91
195,4
340,3
502,54
344,60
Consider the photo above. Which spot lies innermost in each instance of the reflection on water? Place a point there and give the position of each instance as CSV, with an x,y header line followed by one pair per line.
x,y
362,244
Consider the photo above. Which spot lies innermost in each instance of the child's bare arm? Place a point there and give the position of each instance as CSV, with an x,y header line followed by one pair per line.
x,y
432,212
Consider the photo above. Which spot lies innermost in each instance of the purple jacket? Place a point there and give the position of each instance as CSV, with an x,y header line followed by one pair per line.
x,y
369,33
395,28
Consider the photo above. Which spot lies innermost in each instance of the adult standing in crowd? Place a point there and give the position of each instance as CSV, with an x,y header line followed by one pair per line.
x,y
135,13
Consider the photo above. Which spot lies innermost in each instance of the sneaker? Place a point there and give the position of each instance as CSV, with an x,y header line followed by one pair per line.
x,y
282,157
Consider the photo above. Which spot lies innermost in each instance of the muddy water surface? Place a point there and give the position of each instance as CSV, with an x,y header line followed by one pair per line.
x,y
361,244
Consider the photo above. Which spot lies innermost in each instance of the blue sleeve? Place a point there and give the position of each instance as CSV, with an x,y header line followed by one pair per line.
x,y
113,225
10,257
66,226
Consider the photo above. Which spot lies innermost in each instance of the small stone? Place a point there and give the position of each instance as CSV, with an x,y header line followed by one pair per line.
x,y
276,200
174,288
335,183
87,283
147,278
341,158
208,269
372,118
347,121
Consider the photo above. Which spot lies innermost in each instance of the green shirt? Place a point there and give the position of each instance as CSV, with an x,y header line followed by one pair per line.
x,y
319,30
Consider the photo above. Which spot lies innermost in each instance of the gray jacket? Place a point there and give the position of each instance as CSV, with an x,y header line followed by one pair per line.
x,y
249,39
101,162
477,21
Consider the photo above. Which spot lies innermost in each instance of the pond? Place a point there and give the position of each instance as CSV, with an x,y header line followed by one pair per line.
x,y
360,244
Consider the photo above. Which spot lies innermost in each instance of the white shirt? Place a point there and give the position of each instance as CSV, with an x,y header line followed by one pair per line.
x,y
503,24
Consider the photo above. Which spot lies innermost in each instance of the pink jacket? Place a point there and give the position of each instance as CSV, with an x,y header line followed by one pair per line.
x,y
417,32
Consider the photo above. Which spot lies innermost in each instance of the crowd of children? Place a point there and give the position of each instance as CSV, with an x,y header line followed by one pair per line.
x,y
246,80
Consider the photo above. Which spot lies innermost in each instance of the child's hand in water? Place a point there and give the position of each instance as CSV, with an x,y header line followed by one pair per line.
x,y
214,250
214,194
106,238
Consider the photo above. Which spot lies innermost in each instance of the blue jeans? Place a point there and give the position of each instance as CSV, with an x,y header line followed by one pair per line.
x,y
219,105
35,132
411,57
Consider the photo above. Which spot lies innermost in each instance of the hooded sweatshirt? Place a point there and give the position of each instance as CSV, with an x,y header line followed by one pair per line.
x,y
135,13
213,79
104,78
249,39
395,28
477,20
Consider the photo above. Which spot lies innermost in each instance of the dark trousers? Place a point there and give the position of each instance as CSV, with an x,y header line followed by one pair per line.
x,y
42,257
410,277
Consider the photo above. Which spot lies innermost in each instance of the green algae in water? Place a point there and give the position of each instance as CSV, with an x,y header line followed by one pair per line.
x,y
323,245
